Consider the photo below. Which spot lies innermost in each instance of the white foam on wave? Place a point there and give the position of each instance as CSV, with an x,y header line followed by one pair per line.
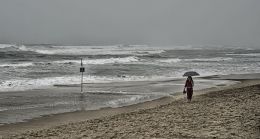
x,y
171,60
87,61
41,50
41,83
176,60
105,50
3,109
5,46
37,49
84,50
101,61
73,50
128,100
26,84
17,64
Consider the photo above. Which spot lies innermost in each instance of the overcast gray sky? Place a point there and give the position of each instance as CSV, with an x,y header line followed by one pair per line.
x,y
166,22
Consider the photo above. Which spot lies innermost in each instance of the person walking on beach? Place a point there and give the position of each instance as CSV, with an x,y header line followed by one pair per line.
x,y
188,88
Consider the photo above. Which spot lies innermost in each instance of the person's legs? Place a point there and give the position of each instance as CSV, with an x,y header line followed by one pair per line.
x,y
189,94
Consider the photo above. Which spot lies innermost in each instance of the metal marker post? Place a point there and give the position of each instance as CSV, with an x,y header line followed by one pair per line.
x,y
82,69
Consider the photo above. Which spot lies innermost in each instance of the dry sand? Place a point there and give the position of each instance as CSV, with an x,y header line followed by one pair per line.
x,y
230,113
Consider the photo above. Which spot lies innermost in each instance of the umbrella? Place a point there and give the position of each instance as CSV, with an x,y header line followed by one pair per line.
x,y
191,73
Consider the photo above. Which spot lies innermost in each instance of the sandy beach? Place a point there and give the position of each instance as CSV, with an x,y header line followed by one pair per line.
x,y
224,112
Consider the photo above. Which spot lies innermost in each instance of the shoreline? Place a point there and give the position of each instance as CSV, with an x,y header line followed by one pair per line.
x,y
49,121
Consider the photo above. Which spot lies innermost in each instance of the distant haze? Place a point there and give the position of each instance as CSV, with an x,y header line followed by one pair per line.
x,y
164,22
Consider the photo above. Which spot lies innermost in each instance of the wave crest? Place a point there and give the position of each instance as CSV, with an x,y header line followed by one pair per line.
x,y
17,65
101,61
172,60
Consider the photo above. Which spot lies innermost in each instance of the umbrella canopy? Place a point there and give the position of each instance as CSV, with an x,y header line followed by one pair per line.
x,y
191,73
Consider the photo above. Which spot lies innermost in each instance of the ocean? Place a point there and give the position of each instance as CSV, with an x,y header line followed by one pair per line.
x,y
37,80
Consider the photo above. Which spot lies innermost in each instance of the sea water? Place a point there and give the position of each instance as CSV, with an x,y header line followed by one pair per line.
x,y
38,80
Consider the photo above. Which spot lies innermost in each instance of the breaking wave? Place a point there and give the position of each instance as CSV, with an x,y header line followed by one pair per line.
x,y
101,61
176,60
172,60
80,50
88,61
28,84
17,65
130,100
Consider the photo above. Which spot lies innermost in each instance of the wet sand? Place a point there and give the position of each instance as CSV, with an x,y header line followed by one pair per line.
x,y
224,112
